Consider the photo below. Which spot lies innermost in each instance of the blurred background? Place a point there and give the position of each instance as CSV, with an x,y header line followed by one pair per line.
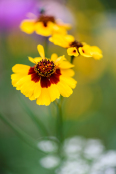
x,y
89,113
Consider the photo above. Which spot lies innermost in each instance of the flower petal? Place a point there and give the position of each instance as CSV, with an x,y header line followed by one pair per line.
x,y
67,72
59,60
59,40
91,51
54,57
54,92
96,52
37,90
45,82
35,60
64,89
58,29
44,30
15,78
32,97
23,80
66,65
28,26
20,68
69,38
72,51
85,51
28,91
41,51
44,98
69,81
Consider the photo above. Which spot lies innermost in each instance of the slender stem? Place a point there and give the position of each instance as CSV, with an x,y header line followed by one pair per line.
x,y
37,122
59,123
46,46
72,58
25,137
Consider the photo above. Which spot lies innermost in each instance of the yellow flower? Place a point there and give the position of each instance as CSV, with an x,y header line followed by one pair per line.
x,y
46,80
44,25
74,48
91,51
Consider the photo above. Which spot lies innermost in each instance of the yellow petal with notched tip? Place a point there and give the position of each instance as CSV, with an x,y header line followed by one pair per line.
x,y
96,49
15,78
72,51
59,60
41,51
37,90
97,56
64,89
69,81
96,52
44,98
53,92
28,26
59,40
22,81
28,91
20,68
65,65
91,51
32,97
85,51
67,72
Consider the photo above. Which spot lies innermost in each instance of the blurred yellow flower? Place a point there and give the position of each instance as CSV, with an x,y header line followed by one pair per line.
x,y
44,25
74,48
46,80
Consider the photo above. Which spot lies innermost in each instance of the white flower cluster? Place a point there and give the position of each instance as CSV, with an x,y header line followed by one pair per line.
x,y
80,156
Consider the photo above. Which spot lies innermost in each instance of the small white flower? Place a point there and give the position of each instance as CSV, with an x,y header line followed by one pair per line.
x,y
50,161
73,167
73,146
93,149
47,146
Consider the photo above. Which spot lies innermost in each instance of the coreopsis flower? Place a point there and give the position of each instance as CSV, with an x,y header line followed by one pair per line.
x,y
75,48
44,25
46,80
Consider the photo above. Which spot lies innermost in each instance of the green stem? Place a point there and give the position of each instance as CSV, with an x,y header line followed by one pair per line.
x,y
25,137
37,122
46,46
72,58
59,123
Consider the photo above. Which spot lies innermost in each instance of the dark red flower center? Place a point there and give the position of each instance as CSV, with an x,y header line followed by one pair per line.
x,y
45,19
76,44
45,68
46,72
